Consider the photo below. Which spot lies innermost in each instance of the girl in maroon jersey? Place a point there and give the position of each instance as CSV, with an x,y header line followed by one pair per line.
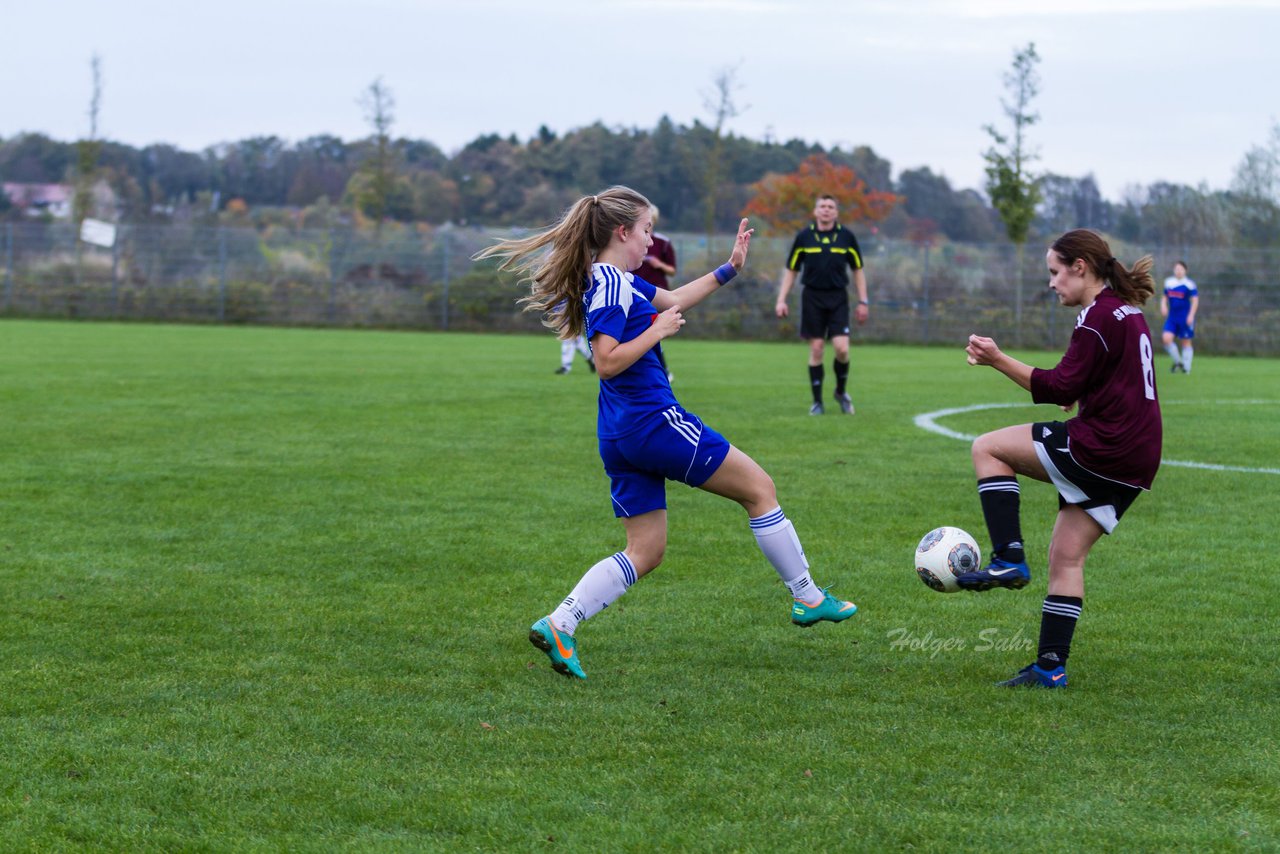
x,y
1099,461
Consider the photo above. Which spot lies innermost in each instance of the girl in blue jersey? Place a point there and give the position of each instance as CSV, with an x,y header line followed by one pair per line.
x,y
645,437
1178,306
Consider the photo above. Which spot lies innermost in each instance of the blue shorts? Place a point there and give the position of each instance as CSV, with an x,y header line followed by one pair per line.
x,y
676,446
1180,329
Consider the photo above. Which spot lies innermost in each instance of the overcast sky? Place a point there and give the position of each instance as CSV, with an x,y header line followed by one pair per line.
x,y
1132,91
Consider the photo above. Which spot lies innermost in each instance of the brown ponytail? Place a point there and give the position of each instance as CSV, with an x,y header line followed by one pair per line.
x,y
1134,284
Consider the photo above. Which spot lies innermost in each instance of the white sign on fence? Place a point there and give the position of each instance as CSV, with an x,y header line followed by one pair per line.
x,y
98,233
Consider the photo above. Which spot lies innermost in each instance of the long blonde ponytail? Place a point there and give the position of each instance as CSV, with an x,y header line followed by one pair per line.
x,y
557,262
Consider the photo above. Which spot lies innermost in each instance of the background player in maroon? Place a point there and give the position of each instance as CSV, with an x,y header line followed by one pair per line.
x,y
1099,461
658,266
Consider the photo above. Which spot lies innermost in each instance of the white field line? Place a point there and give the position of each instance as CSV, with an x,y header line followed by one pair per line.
x,y
929,421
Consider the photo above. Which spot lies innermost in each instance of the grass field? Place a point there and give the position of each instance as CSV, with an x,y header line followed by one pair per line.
x,y
270,589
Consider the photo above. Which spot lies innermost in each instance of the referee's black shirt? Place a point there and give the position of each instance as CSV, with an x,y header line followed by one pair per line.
x,y
824,255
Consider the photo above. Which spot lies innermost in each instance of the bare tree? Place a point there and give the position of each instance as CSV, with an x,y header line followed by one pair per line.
x,y
722,106
87,151
1255,191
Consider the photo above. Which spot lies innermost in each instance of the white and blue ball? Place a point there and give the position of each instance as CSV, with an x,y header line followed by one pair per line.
x,y
945,553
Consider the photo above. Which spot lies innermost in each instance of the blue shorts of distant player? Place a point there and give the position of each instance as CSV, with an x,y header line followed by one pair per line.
x,y
674,446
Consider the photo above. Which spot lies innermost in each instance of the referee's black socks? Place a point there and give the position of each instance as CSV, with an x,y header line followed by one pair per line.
x,y
842,374
815,380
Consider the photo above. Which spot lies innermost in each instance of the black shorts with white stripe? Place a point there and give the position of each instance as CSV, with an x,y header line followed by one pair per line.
x,y
1104,499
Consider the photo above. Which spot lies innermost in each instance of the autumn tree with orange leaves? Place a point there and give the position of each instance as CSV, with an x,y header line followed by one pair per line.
x,y
784,203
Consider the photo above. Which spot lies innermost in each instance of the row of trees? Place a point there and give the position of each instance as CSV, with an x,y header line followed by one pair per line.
x,y
701,175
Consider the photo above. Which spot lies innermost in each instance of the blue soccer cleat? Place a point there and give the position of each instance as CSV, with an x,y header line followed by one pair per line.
x,y
559,647
828,608
998,573
1035,676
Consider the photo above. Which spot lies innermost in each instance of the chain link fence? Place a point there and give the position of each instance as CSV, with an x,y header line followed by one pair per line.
x,y
424,278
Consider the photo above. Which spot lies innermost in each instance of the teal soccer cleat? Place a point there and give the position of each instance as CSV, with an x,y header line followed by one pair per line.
x,y
558,646
830,608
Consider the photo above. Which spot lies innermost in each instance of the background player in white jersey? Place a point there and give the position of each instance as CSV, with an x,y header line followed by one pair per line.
x,y
1099,461
645,436
569,346
1178,305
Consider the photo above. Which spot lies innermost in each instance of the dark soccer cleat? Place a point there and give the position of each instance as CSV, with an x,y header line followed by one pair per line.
x,y
998,573
562,370
816,409
1035,676
846,403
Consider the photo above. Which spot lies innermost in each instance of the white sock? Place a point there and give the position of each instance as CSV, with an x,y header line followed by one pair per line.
x,y
777,538
602,584
1187,353
583,348
1172,350
566,354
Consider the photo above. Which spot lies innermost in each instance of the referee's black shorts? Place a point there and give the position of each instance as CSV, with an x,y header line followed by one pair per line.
x,y
824,314
1102,498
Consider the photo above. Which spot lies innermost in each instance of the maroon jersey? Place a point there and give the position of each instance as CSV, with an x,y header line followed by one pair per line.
x,y
1108,370
664,252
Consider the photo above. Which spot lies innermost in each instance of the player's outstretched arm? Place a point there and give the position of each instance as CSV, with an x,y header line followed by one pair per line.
x,y
687,296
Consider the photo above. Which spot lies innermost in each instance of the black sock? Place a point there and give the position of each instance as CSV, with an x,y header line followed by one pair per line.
x,y
1057,624
842,374
1001,499
815,380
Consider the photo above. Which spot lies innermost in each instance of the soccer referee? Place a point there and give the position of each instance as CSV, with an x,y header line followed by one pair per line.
x,y
824,248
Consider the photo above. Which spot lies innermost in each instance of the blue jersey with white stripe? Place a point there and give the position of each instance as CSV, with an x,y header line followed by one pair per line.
x,y
1179,293
618,305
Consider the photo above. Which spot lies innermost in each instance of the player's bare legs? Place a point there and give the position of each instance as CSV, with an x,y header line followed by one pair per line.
x,y
817,347
741,479
998,457
601,585
646,540
1074,533
1007,451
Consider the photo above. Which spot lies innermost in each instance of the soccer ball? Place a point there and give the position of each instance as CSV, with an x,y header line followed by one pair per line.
x,y
943,554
